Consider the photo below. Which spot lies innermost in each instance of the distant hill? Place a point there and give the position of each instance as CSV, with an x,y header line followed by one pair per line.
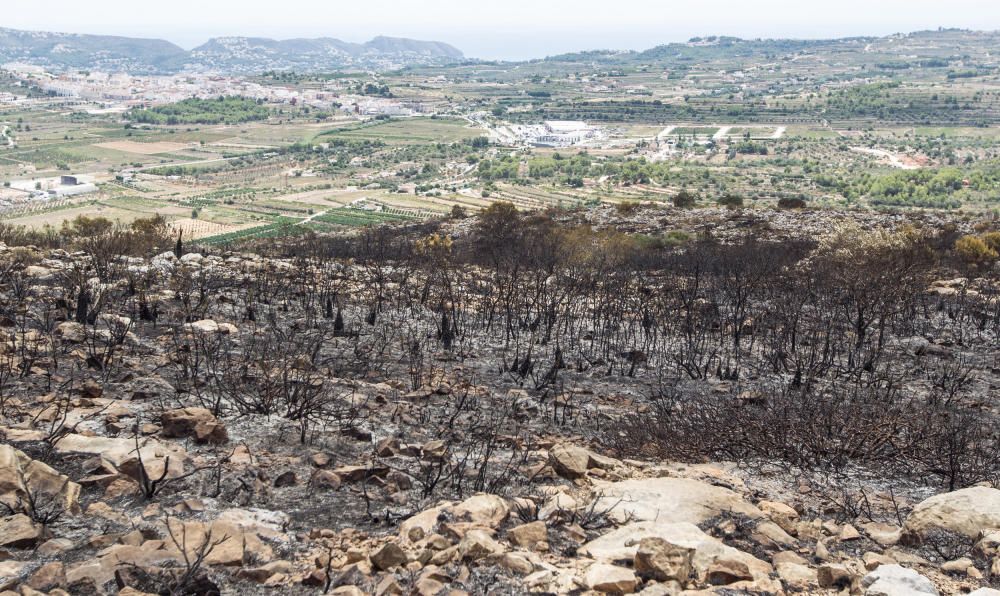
x,y
246,54
402,45
99,52
937,47
224,54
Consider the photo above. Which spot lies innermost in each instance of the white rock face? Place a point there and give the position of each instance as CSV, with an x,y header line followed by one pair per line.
x,y
164,262
622,544
120,454
610,579
969,512
894,580
191,257
670,500
210,326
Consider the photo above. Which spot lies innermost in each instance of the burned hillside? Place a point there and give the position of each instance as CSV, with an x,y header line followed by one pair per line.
x,y
506,403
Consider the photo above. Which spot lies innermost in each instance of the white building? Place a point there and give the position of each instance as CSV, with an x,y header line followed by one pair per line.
x,y
552,133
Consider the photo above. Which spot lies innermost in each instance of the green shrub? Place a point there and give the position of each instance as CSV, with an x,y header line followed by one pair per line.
x,y
731,201
973,250
685,199
789,203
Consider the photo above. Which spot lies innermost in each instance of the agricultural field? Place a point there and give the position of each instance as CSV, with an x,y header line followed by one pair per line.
x,y
912,133
409,131
151,148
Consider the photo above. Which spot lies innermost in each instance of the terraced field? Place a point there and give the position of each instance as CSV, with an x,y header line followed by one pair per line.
x,y
409,131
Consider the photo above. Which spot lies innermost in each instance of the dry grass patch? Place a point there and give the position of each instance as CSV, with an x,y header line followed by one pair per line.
x,y
144,148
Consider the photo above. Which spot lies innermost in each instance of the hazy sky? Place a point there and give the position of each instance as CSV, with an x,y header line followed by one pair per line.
x,y
512,29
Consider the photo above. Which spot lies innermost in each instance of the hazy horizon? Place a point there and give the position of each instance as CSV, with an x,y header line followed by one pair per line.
x,y
515,31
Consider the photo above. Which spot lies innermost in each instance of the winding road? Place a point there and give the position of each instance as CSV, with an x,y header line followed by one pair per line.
x,y
5,136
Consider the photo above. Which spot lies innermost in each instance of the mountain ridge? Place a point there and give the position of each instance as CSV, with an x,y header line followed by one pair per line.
x,y
230,54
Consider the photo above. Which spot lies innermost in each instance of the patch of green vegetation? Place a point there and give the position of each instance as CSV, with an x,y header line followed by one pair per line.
x,y
224,110
942,188
695,131
408,131
360,218
283,226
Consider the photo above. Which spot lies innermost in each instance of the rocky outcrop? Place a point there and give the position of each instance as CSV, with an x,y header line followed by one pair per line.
x,y
210,326
27,483
610,579
969,512
571,461
18,531
120,454
661,560
197,423
670,500
709,554
894,580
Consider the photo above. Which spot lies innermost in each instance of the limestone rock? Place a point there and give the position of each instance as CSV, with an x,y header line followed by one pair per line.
x,y
263,573
238,535
873,561
54,547
434,450
771,536
428,586
482,510
529,535
670,500
969,512
71,332
894,580
622,544
389,556
517,563
798,576
663,561
989,545
883,534
569,461
10,572
21,476
783,515
610,579
477,544
957,566
849,532
836,576
91,389
198,423
48,577
18,531
728,571
388,587
326,479
210,326
422,524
